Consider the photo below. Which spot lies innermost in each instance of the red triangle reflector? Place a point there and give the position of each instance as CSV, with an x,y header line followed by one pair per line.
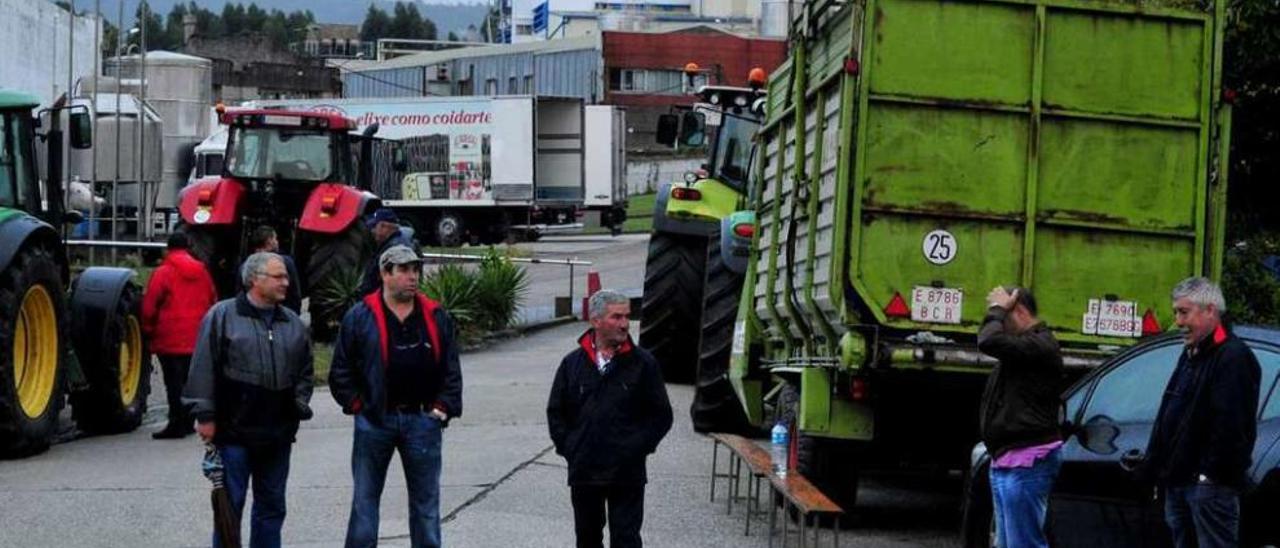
x,y
1150,325
897,307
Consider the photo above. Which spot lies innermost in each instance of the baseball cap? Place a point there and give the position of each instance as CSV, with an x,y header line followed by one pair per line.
x,y
397,255
383,214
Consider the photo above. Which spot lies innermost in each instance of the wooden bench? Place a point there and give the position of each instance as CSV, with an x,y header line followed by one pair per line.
x,y
795,491
798,493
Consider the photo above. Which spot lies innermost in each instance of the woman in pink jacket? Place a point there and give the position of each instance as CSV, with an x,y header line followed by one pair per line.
x,y
178,295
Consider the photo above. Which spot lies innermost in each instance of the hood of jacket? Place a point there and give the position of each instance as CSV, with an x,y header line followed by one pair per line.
x,y
184,265
587,342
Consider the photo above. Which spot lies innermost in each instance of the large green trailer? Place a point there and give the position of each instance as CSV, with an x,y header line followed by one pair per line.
x,y
917,153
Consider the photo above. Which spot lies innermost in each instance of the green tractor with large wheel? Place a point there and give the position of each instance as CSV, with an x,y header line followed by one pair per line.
x,y
43,326
698,248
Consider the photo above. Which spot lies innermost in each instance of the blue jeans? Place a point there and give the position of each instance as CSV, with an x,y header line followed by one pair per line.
x,y
1020,500
1204,514
269,470
417,437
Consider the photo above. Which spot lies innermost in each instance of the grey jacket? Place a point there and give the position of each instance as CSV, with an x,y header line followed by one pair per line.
x,y
251,376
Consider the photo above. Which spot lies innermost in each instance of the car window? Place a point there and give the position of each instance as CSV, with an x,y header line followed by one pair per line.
x,y
1269,361
1131,392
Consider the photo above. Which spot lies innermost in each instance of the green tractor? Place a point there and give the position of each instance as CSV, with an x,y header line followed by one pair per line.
x,y
43,326
698,250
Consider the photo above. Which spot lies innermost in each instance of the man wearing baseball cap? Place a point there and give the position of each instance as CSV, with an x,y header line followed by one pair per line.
x,y
395,368
387,233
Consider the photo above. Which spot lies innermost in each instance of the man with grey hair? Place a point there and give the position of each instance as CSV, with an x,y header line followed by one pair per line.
x,y
250,384
1203,436
608,410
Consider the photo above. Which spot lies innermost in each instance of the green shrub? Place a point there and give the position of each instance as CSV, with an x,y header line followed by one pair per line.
x,y
333,297
501,289
1252,291
456,289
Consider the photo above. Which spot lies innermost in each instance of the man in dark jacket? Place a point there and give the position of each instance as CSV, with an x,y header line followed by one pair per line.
x,y
1203,437
607,413
387,233
178,295
250,385
395,367
1019,420
264,238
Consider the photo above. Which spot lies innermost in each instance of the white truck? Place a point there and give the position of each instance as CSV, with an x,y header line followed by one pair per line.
x,y
482,169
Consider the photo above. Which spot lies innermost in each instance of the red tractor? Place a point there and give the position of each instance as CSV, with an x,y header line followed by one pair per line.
x,y
300,173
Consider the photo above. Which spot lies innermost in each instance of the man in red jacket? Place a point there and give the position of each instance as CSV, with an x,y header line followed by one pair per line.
x,y
180,292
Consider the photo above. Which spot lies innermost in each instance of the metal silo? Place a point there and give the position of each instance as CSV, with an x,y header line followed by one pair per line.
x,y
180,88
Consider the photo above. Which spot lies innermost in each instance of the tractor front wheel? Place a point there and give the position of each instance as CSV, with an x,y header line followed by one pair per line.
x,y
31,313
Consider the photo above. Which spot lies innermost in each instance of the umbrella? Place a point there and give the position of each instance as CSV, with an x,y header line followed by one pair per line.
x,y
225,521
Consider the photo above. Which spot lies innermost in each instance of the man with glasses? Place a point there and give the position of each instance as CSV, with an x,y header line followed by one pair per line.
x,y
250,384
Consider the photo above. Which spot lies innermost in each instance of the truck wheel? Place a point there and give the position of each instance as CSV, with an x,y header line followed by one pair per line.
x,y
715,405
977,524
671,310
449,229
31,313
334,270
118,370
831,465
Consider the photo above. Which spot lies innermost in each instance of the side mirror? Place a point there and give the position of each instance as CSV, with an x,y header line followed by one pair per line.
x,y
73,217
1098,435
693,130
81,130
668,127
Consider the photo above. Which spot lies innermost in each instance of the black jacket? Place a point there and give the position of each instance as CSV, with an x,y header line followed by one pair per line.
x,y
357,375
372,278
1021,401
252,377
1207,420
605,425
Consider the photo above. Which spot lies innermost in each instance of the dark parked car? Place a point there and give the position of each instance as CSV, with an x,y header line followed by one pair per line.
x,y
1108,414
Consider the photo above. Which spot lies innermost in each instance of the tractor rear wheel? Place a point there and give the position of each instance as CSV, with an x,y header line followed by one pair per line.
x,y
215,248
118,370
334,269
670,312
832,465
715,405
31,316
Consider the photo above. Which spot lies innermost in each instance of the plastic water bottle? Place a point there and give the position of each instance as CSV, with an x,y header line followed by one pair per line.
x,y
778,448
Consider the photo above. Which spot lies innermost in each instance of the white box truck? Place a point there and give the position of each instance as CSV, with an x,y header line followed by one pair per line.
x,y
481,169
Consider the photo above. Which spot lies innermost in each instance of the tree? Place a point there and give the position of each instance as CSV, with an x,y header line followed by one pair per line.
x,y
157,39
173,24
376,24
233,19
1252,69
453,37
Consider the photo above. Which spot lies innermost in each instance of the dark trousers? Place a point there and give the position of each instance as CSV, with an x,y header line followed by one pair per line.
x,y
625,505
1204,514
268,470
417,437
175,378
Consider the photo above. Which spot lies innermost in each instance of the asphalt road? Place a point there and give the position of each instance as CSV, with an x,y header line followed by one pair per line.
x,y
502,485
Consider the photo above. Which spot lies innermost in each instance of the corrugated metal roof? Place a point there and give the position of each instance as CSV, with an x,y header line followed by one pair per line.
x,y
437,57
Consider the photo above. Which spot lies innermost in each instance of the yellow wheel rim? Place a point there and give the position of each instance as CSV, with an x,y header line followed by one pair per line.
x,y
130,361
35,353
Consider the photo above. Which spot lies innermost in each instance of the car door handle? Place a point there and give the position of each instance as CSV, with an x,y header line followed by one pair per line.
x,y
1132,459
